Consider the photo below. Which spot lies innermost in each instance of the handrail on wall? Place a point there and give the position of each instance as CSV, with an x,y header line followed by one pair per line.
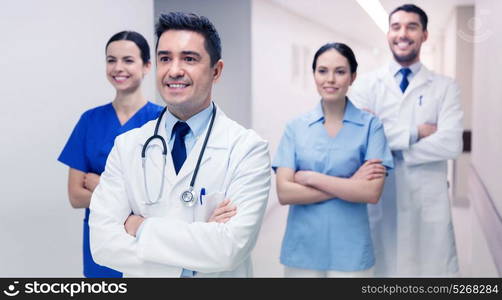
x,y
488,216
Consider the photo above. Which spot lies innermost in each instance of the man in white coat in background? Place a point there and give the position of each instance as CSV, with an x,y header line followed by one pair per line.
x,y
420,110
170,217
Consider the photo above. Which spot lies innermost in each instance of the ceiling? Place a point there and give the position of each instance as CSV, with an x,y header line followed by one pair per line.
x,y
339,16
438,12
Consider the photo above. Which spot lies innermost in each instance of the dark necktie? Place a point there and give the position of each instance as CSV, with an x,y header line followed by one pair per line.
x,y
404,82
179,152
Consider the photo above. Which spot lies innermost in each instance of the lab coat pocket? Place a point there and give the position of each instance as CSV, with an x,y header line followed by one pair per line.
x,y
427,110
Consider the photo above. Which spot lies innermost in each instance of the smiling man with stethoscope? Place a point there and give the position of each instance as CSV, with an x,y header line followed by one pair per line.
x,y
162,207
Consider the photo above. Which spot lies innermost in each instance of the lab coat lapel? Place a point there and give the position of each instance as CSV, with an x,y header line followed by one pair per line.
x,y
217,139
388,79
191,160
423,76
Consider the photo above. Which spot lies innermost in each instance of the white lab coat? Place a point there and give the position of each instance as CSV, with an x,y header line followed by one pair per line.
x,y
236,164
411,226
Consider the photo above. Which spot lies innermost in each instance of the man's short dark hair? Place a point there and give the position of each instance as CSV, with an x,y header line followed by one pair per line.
x,y
191,22
411,8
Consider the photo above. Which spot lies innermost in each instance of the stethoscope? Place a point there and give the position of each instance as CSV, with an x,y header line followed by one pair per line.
x,y
187,197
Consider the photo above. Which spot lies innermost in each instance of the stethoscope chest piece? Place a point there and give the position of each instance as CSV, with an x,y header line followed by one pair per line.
x,y
188,197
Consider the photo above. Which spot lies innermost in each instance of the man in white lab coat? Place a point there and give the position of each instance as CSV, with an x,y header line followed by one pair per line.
x,y
144,222
421,113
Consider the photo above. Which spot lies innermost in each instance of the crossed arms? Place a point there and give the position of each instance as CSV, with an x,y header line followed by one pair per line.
x,y
306,187
169,244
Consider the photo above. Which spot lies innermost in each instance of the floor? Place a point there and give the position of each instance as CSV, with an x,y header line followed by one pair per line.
x,y
473,254
475,259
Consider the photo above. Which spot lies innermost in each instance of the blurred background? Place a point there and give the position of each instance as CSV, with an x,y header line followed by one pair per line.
x,y
52,58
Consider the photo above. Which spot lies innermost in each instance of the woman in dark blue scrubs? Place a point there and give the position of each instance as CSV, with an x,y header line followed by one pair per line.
x,y
127,62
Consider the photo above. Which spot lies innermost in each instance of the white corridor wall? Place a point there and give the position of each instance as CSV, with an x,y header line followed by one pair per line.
x,y
485,189
52,56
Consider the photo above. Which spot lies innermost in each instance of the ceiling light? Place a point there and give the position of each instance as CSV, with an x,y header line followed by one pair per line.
x,y
376,11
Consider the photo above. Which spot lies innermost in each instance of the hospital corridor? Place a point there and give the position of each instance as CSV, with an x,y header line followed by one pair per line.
x,y
53,62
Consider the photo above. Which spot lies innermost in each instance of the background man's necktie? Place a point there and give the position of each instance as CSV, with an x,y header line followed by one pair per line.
x,y
404,81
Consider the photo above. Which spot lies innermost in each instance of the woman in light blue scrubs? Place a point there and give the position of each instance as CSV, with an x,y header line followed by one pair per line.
x,y
331,162
127,62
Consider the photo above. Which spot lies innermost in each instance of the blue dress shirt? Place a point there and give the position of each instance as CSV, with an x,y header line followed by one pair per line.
x,y
398,76
395,68
197,123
